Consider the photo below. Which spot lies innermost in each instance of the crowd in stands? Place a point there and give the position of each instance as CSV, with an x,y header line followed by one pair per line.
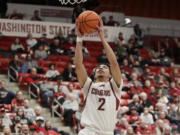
x,y
150,95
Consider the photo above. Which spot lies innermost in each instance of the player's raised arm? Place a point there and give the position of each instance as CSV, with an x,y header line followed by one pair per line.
x,y
78,61
115,70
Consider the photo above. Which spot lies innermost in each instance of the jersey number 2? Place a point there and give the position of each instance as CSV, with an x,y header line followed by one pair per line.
x,y
102,100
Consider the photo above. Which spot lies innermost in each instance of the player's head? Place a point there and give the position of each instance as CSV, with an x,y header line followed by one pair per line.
x,y
102,72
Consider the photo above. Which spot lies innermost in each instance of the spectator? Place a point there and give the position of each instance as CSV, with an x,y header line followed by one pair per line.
x,y
159,127
136,88
52,74
6,121
147,117
17,47
167,130
69,74
138,32
43,41
154,60
36,16
147,86
72,35
175,74
41,54
177,49
28,111
6,96
48,94
3,8
7,130
16,15
55,47
15,63
18,101
129,131
135,103
121,126
33,77
29,64
51,130
111,22
25,129
133,118
39,126
60,36
104,20
143,128
76,12
162,116
30,41
1,125
37,111
144,101
152,96
20,116
102,58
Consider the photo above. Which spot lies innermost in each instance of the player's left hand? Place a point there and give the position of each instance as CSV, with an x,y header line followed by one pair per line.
x,y
100,29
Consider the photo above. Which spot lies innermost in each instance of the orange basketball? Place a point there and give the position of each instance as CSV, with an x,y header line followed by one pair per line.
x,y
88,21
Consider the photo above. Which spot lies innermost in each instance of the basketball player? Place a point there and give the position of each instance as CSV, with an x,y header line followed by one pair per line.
x,y
101,96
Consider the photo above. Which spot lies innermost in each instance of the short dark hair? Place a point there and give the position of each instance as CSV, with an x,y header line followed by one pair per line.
x,y
107,64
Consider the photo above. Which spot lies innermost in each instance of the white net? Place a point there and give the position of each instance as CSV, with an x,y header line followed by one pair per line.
x,y
65,2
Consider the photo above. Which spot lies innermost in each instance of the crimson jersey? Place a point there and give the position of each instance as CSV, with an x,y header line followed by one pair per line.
x,y
102,101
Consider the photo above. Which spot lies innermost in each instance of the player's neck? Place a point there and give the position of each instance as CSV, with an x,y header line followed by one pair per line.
x,y
102,79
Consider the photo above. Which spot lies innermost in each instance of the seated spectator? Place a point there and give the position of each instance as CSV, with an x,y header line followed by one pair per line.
x,y
48,93
111,22
52,74
6,121
43,41
50,129
147,87
60,37
20,116
136,88
18,101
102,58
36,16
39,126
174,91
16,15
28,111
33,77
144,101
154,60
69,47
167,130
152,95
25,129
72,35
38,111
7,130
17,47
135,103
175,74
15,63
121,126
104,20
138,32
147,117
143,128
69,74
30,41
55,47
41,54
159,127
162,116
133,118
6,96
29,64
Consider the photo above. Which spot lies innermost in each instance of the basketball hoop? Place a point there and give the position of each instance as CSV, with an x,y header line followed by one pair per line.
x,y
65,2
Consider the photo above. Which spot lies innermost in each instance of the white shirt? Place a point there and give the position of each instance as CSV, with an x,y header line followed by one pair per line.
x,y
51,73
31,42
147,118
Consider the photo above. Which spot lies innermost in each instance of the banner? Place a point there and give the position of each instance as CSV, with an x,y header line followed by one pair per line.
x,y
22,28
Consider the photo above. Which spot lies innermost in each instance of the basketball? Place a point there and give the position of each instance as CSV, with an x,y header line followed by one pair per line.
x,y
87,22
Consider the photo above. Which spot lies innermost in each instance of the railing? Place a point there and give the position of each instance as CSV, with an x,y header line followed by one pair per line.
x,y
12,71
54,111
33,87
